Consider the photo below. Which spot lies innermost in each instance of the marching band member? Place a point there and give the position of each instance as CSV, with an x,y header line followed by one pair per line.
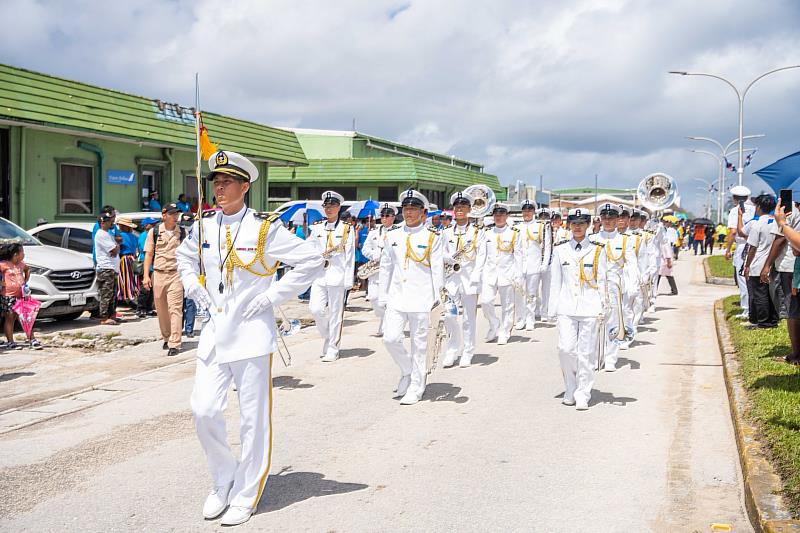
x,y
653,236
646,254
463,285
411,282
336,240
536,249
241,250
372,250
543,214
578,285
503,271
622,276
560,233
624,228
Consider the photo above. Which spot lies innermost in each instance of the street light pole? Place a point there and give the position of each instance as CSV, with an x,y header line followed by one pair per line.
x,y
709,188
740,95
721,176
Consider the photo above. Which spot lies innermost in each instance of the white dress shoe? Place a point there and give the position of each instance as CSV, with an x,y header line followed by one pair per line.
x,y
465,361
519,325
449,360
402,386
581,406
236,515
502,340
610,368
529,325
217,501
330,358
568,401
410,398
491,335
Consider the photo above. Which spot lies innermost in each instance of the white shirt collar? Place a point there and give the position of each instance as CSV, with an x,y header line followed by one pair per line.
x,y
236,217
584,244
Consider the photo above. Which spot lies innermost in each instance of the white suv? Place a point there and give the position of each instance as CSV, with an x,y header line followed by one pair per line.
x,y
63,280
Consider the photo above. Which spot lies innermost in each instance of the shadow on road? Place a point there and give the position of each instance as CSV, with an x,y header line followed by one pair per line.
x,y
599,397
622,361
642,328
664,309
641,343
355,352
443,392
285,489
289,383
15,375
649,320
484,359
351,322
520,338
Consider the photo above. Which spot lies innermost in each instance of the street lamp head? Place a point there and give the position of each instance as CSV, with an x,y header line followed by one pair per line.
x,y
680,72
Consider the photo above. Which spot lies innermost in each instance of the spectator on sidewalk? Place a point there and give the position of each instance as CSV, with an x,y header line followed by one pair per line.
x,y
160,246
127,281
15,275
665,270
762,308
708,244
107,254
698,238
144,301
182,204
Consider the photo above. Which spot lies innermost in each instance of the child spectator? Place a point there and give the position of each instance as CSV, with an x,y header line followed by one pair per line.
x,y
15,275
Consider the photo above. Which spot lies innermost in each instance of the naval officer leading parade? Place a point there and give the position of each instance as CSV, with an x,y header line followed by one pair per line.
x,y
241,251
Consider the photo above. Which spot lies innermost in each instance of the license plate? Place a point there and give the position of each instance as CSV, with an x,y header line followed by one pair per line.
x,y
77,299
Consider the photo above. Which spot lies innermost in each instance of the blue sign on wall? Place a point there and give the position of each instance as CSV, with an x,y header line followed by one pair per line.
x,y
122,177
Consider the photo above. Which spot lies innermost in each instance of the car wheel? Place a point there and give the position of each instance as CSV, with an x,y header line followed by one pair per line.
x,y
68,316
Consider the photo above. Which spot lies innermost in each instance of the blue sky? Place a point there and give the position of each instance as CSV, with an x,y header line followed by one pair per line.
x,y
562,89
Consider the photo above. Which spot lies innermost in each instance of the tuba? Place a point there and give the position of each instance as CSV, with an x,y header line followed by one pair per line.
x,y
483,200
657,191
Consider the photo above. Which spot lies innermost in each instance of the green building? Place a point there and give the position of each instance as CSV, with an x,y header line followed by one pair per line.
x,y
68,148
361,167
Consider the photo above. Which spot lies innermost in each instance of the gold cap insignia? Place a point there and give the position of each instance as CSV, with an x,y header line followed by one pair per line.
x,y
222,158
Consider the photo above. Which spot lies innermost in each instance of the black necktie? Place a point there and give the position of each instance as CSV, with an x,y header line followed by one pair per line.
x,y
578,247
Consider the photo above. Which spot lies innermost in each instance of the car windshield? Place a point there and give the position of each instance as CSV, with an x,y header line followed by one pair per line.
x,y
12,232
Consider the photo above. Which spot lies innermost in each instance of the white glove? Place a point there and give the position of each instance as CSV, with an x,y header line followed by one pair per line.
x,y
257,305
200,295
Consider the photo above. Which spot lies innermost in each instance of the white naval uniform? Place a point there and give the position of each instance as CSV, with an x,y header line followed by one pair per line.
x,y
463,287
409,289
738,258
644,255
232,348
660,235
503,264
578,305
372,250
328,290
544,280
652,242
537,248
622,273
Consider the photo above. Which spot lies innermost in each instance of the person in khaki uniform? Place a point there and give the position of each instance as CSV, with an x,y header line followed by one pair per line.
x,y
159,248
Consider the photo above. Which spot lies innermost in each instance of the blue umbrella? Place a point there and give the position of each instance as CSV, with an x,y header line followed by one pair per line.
x,y
295,213
782,173
365,209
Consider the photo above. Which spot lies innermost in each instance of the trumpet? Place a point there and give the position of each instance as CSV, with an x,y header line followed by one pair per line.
x,y
369,268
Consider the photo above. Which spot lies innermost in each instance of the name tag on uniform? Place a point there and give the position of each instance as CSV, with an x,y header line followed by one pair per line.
x,y
618,248
565,263
206,245
588,265
394,244
338,236
422,246
245,249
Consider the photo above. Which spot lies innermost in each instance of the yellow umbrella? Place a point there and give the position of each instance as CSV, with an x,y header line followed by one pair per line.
x,y
671,218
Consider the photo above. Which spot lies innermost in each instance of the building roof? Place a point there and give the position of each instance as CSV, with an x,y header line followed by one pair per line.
x,y
382,169
40,100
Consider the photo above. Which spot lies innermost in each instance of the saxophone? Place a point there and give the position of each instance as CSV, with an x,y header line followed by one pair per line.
x,y
455,266
327,254
369,268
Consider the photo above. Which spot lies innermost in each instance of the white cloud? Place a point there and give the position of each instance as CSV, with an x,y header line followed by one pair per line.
x,y
565,89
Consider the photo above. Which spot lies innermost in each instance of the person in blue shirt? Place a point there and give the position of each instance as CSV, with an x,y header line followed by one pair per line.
x,y
127,280
154,204
144,302
182,204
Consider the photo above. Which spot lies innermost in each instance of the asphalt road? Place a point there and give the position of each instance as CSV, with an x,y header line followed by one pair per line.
x,y
490,448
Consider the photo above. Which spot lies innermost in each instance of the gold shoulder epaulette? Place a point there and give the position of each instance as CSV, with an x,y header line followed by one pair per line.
x,y
559,243
393,227
487,226
267,215
209,213
433,230
514,228
318,222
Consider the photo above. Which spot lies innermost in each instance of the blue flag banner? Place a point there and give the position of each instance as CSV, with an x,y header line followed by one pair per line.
x,y
782,173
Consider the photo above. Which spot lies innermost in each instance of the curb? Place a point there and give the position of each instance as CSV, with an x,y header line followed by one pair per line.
x,y
762,486
714,280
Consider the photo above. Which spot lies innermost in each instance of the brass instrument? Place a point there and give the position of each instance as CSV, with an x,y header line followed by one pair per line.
x,y
327,254
657,191
620,334
368,269
455,266
483,200
519,288
436,331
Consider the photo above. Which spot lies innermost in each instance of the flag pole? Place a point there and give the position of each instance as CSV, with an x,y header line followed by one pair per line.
x,y
199,213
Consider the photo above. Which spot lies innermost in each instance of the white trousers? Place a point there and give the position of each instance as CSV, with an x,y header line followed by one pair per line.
x,y
327,306
653,288
253,379
506,322
577,350
412,361
741,280
628,308
544,293
373,295
526,312
612,348
461,328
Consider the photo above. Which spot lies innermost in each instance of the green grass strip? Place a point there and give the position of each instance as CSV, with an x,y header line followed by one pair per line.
x,y
774,390
720,267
